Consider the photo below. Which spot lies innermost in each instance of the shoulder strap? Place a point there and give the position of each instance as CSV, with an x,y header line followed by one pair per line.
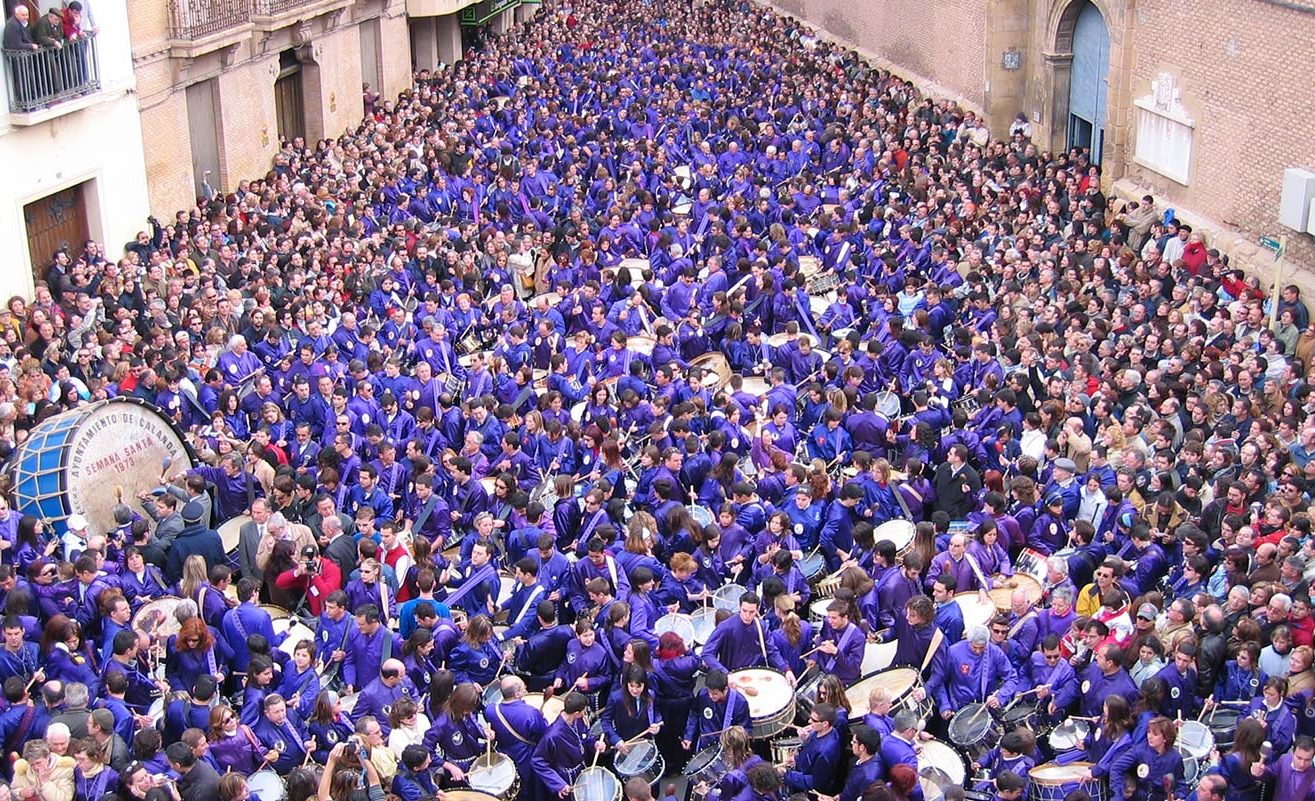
x,y
936,638
497,710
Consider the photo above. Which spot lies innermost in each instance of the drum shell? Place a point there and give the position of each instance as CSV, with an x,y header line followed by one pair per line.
x,y
496,775
785,748
1044,787
767,721
974,742
901,682
652,767
1223,724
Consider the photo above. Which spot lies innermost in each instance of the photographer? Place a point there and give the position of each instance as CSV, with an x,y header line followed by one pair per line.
x,y
341,780
314,575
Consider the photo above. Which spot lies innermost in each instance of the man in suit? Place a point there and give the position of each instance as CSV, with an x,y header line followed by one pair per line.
x,y
18,36
249,537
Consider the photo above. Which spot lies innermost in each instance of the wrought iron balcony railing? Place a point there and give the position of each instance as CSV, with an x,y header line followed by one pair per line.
x,y
38,79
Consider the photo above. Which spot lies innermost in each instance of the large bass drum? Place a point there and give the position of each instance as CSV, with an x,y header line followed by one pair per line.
x,y
72,462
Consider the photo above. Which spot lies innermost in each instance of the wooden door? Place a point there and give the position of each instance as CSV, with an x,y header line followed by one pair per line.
x,y
289,104
53,222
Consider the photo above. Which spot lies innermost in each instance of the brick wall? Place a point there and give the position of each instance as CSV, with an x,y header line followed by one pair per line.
x,y
396,54
941,42
1248,87
340,81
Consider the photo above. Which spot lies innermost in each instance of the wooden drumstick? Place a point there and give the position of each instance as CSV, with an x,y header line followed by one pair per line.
x,y
597,754
309,751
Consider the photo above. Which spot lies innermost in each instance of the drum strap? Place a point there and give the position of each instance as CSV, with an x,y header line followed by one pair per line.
x,y
762,642
1018,624
935,643
903,504
497,710
423,516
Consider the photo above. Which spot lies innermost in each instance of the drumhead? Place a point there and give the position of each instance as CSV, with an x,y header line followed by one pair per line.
x,y
976,612
296,633
702,760
704,620
1069,735
1222,720
1054,773
156,619
469,795
898,532
230,533
682,625
773,690
727,597
898,680
969,724
643,755
937,755
266,785
596,784
492,773
1195,739
878,656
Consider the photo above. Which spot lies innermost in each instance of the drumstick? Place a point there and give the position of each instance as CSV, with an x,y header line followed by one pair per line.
x,y
597,753
306,761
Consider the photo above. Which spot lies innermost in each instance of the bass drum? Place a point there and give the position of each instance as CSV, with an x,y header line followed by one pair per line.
x,y
70,462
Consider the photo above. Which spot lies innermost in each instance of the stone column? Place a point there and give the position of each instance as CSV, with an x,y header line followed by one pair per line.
x,y
424,42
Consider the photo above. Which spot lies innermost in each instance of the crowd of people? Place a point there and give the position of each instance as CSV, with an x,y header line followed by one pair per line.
x,y
659,312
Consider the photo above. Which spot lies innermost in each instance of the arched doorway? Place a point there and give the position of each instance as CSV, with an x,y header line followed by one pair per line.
x,y
1088,88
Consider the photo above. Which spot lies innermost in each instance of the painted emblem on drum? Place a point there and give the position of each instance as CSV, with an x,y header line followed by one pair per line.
x,y
1143,771
707,712
1086,686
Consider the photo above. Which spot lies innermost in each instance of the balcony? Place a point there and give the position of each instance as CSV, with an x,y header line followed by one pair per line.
x,y
38,80
200,19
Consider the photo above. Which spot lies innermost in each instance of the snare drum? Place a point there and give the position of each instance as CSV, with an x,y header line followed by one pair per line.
x,y
974,730
901,682
496,775
1052,782
771,711
644,761
727,597
817,609
1031,563
1068,736
1026,716
704,620
898,532
1223,725
940,767
1195,740
597,784
682,625
888,404
706,767
267,785
784,749
827,587
813,565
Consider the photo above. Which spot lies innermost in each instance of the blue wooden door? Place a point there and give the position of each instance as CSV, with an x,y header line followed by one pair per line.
x,y
1088,88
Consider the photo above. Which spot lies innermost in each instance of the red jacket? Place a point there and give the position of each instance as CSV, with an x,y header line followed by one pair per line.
x,y
317,587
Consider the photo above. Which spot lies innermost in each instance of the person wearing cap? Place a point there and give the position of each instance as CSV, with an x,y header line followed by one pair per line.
x,y
1148,558
195,538
74,541
1063,483
975,671
314,575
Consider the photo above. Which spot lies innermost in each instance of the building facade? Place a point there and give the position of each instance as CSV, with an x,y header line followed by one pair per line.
x,y
71,146
1203,103
220,82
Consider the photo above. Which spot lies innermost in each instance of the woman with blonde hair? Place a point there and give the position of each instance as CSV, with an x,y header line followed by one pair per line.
x,y
737,755
791,637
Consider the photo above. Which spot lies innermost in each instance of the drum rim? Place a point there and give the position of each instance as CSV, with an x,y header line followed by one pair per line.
x,y
938,745
1070,769
713,751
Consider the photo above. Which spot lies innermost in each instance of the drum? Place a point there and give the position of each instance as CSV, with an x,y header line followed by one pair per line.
x,y
348,702
1223,725
727,597
644,761
704,621
898,532
230,533
809,266
267,786
297,632
827,587
718,370
976,612
900,681
940,767
1068,736
683,625
156,710
597,784
974,730
702,515
156,619
771,710
278,616
636,268
468,795
888,404
813,565
1026,716
488,483
1195,740
496,775
1002,596
642,344
877,656
755,386
784,749
1031,563
706,767
70,462
1052,782
551,708
577,411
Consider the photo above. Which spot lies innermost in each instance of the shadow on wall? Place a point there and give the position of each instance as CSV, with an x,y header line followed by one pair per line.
x,y
839,26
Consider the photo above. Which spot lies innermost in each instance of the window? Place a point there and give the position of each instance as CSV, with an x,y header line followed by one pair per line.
x,y
1164,131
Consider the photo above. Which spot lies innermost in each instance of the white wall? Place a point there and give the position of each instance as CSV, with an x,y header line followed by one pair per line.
x,y
98,140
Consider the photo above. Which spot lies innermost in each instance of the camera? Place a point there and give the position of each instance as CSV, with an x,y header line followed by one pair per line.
x,y
350,748
312,567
